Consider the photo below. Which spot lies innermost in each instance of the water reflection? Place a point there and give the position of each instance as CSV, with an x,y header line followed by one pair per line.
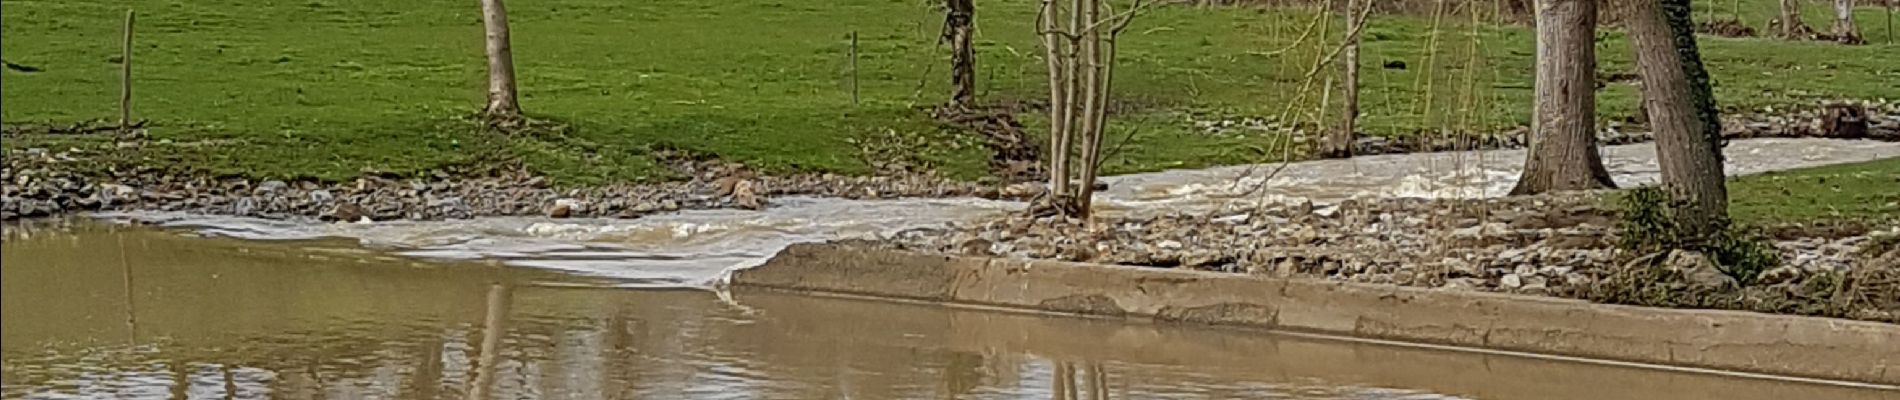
x,y
205,319
1092,384
493,326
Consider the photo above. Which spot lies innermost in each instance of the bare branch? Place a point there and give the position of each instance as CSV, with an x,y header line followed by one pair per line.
x,y
1304,34
1306,83
1328,60
1120,20
1065,35
1115,151
1129,17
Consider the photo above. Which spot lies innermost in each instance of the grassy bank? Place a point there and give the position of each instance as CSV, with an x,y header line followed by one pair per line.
x,y
333,88
1867,192
1856,193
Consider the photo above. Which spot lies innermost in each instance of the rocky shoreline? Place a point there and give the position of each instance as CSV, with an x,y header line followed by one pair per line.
x,y
1555,245
45,183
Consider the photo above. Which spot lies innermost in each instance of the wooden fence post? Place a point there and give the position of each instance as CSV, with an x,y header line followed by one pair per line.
x,y
125,76
854,68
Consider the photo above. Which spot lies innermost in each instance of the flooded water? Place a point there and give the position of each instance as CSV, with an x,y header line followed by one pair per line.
x,y
105,312
694,248
685,249
1445,175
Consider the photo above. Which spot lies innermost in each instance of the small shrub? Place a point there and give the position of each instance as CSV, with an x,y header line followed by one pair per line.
x,y
1743,254
1649,226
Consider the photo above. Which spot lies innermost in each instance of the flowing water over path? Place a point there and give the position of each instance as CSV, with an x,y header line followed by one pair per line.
x,y
105,312
691,249
1450,175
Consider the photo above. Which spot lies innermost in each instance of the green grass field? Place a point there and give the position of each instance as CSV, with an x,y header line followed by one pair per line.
x,y
332,88
1866,192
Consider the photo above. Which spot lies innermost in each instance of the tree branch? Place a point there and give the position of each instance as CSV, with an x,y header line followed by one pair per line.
x,y
1304,34
1120,20
1115,151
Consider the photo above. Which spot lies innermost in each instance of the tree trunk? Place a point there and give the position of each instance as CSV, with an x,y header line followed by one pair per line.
x,y
959,27
1338,143
1089,64
1791,25
1682,112
1055,53
1844,30
1563,153
502,104
1081,67
1072,119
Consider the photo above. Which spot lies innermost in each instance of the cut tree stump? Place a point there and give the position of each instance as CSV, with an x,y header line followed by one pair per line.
x,y
1844,121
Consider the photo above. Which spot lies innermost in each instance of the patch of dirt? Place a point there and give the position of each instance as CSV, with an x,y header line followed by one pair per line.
x,y
1849,39
1613,77
1014,157
890,152
77,128
1730,27
1118,105
1829,231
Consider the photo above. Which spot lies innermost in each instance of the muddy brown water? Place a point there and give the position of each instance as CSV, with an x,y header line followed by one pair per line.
x,y
110,312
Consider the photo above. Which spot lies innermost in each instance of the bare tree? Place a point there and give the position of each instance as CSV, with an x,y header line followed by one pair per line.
x,y
1791,25
1844,30
1081,65
1563,153
1338,143
1055,53
1093,87
1682,113
502,106
958,28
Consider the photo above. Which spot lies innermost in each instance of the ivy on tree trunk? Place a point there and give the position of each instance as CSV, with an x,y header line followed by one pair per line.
x,y
1682,113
